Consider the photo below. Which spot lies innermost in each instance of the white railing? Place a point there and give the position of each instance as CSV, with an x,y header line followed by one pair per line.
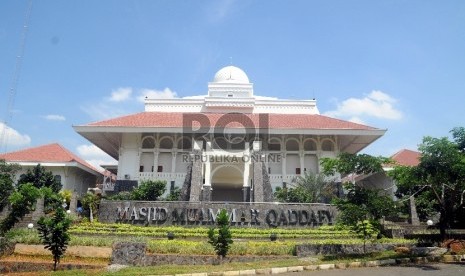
x,y
109,186
162,175
280,178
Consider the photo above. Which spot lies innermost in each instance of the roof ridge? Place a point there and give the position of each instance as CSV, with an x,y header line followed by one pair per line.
x,y
64,154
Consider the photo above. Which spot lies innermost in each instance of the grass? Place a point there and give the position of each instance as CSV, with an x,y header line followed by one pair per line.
x,y
193,241
182,269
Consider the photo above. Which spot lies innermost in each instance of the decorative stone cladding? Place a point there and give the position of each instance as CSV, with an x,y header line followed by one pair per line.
x,y
132,253
305,250
204,213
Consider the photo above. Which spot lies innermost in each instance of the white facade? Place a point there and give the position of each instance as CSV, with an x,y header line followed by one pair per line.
x,y
155,144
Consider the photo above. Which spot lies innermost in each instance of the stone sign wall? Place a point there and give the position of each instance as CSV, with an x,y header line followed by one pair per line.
x,y
205,213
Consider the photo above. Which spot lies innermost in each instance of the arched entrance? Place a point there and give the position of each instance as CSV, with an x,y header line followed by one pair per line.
x,y
227,182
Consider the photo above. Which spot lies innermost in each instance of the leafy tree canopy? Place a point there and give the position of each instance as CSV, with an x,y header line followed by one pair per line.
x,y
22,202
439,178
347,163
360,203
7,173
149,190
39,177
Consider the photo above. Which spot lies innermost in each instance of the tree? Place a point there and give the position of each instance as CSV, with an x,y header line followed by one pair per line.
x,y
223,240
22,202
149,190
360,203
90,201
310,188
39,177
174,194
53,231
7,173
366,231
439,178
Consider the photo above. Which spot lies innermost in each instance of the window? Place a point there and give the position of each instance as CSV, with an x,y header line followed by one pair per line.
x,y
58,178
297,170
141,168
284,185
269,170
152,168
160,169
230,95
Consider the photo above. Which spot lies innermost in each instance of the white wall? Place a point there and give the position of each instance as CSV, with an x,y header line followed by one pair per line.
x,y
164,159
292,162
146,160
129,157
311,163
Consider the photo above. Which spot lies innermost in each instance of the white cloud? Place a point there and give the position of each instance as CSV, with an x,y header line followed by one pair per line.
x,y
156,94
12,137
376,104
357,120
123,101
95,156
54,117
221,9
102,111
121,94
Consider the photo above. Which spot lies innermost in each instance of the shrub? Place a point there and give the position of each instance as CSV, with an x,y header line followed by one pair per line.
x,y
149,190
222,241
53,231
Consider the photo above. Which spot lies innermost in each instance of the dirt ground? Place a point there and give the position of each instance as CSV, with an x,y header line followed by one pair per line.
x,y
78,251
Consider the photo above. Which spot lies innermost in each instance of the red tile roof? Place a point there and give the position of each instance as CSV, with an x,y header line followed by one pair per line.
x,y
406,157
51,153
231,120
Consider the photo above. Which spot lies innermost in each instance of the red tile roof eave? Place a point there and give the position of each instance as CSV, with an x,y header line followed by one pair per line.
x,y
59,155
276,121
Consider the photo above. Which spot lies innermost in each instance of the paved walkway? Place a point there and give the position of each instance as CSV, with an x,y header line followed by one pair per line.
x,y
437,269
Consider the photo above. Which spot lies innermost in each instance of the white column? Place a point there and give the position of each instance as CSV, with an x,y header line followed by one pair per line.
x,y
155,162
302,163
283,154
173,161
208,164
208,172
247,157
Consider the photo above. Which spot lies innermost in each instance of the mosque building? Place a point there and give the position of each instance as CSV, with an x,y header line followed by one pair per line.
x,y
229,145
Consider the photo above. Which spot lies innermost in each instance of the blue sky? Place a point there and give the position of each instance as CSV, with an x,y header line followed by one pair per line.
x,y
398,65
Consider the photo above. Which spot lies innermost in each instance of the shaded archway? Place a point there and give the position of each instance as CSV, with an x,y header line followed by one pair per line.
x,y
227,183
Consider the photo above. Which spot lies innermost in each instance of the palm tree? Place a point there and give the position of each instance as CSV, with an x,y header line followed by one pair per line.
x,y
309,188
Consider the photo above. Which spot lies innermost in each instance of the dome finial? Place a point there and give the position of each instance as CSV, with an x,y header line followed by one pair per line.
x,y
231,74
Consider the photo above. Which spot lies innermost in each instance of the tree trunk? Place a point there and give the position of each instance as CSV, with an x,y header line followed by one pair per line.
x,y
91,216
443,224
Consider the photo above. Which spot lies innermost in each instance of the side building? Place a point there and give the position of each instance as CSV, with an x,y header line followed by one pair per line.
x,y
74,173
228,145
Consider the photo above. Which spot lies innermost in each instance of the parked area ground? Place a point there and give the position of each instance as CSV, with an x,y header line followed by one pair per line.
x,y
437,269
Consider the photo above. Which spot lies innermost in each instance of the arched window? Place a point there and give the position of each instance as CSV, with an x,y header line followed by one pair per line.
x,y
274,144
166,143
148,143
327,145
292,145
185,143
310,145
220,143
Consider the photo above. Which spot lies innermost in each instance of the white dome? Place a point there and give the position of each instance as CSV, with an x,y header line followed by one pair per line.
x,y
231,74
